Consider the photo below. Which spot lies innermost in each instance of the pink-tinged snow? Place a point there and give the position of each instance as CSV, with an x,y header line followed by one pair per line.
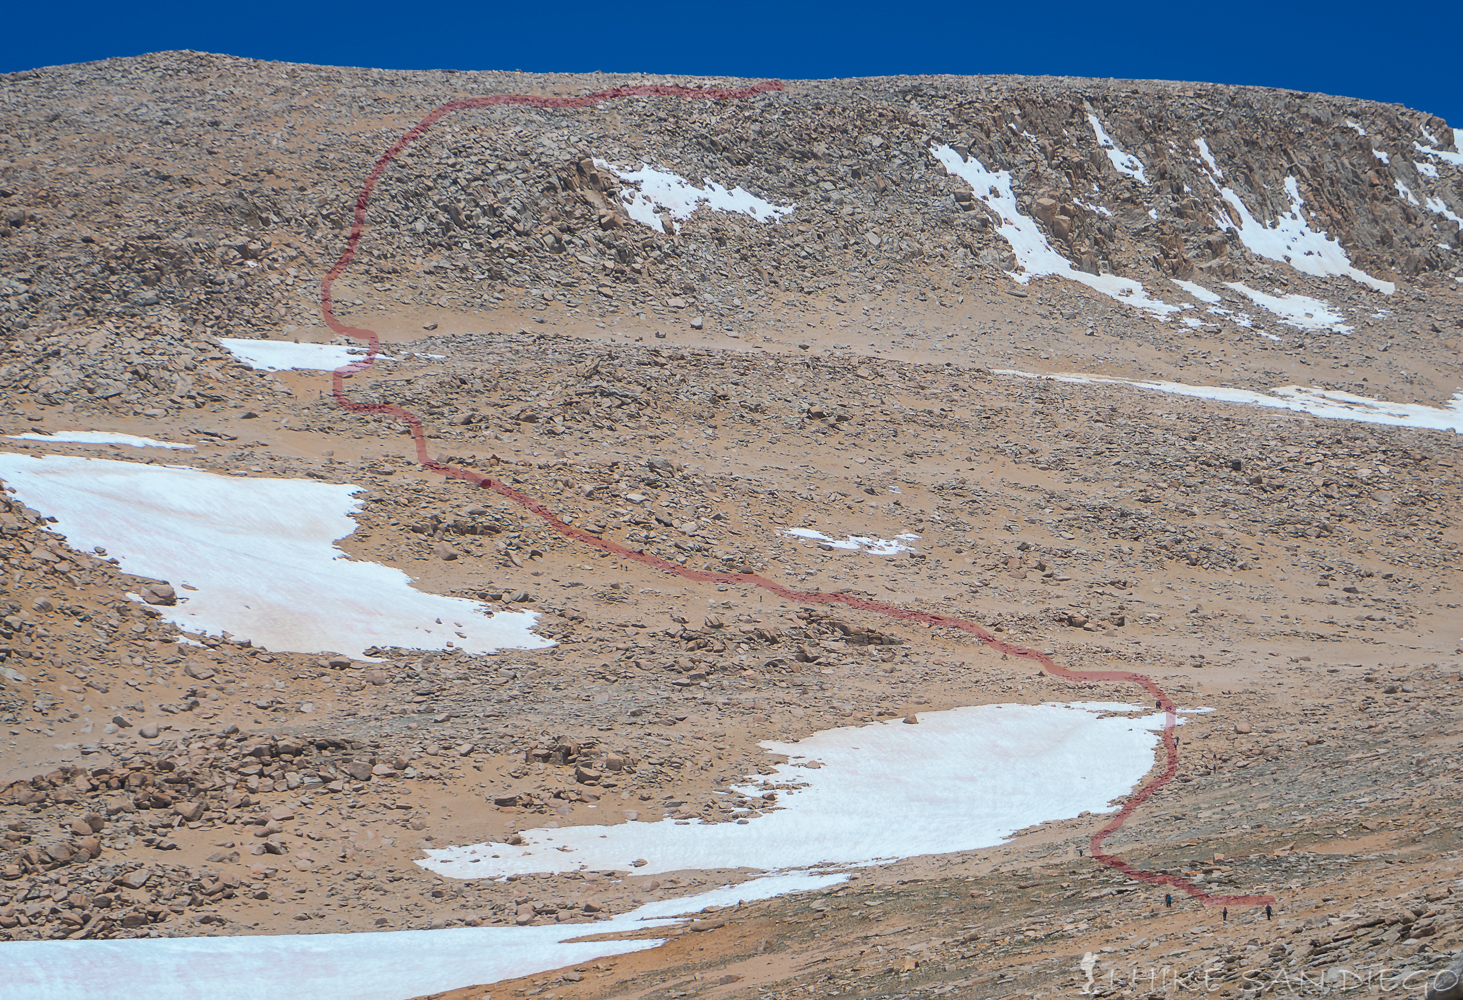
x,y
254,557
100,437
1331,404
1295,310
661,191
389,965
959,780
284,355
1197,291
1034,255
858,543
1292,241
1123,163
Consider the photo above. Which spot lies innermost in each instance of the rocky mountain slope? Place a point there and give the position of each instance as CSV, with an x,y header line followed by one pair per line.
x,y
696,328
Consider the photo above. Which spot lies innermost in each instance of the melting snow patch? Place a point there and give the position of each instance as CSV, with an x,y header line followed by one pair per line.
x,y
1124,163
100,437
1209,157
660,191
859,543
1034,255
375,966
1379,154
283,355
1426,169
960,780
1099,209
1440,207
1192,322
1197,291
1406,192
1331,404
1447,156
1293,242
1295,310
260,554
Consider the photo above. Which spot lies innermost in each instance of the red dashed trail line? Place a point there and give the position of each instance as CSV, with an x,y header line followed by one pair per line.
x,y
1162,700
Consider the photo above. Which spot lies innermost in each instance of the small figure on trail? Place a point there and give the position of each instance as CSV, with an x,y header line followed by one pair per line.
x,y
1225,912
1168,901
1268,912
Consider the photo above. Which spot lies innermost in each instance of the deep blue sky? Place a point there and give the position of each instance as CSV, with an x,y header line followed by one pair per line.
x,y
1339,47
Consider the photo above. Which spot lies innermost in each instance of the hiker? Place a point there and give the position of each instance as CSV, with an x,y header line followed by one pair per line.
x,y
1225,912
1268,913
1168,901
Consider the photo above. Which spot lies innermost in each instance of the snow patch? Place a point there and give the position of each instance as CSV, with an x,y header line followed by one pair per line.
x,y
859,543
283,355
1406,192
1124,163
376,966
960,780
1356,125
1208,158
1426,169
662,191
1382,156
1034,255
99,437
1455,157
1292,241
1440,207
1197,291
1099,209
1327,403
1295,310
260,553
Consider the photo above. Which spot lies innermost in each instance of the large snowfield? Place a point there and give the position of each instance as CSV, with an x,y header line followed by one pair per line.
x,y
389,965
957,780
253,557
